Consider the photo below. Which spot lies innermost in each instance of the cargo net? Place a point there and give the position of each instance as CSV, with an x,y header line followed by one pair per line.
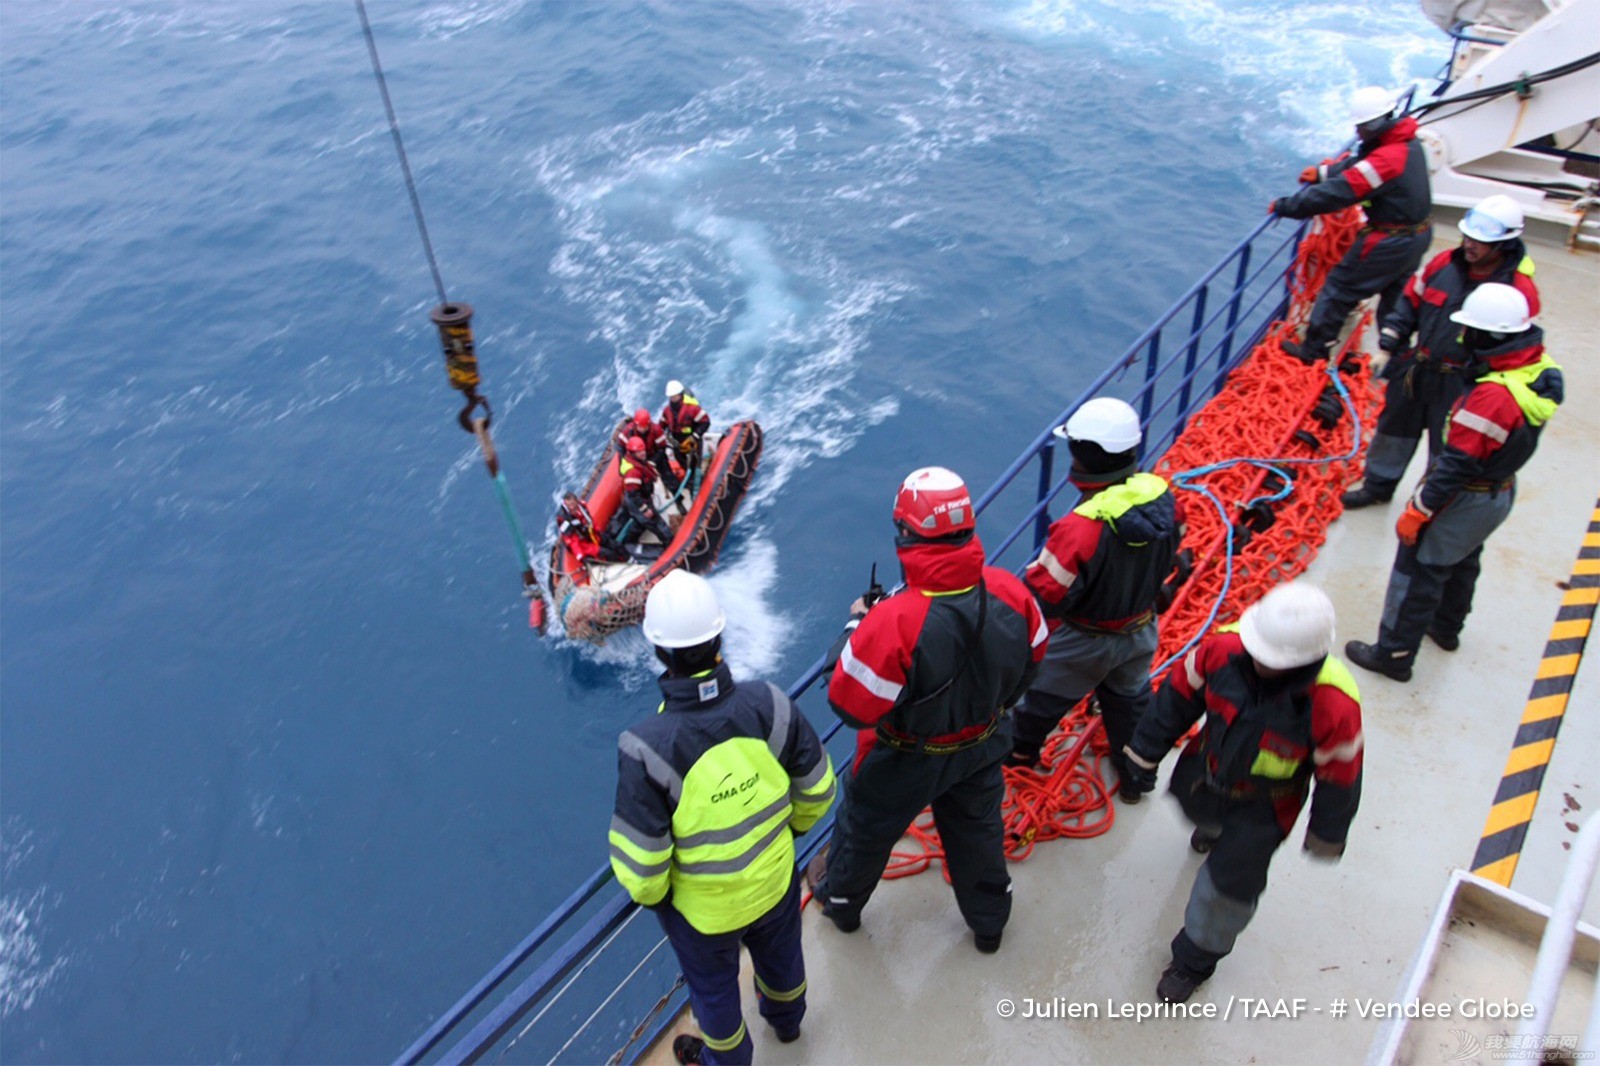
x,y
593,614
1263,465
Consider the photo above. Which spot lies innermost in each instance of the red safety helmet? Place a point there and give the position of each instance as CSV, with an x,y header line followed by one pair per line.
x,y
641,418
635,445
934,502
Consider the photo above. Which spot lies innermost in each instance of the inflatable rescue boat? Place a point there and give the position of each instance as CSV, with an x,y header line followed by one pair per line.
x,y
596,598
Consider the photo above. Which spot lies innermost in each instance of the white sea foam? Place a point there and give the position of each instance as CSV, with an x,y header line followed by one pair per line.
x,y
443,21
1302,58
25,970
756,634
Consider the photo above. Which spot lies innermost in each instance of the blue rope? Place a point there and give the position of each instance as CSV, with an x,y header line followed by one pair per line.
x,y
1187,480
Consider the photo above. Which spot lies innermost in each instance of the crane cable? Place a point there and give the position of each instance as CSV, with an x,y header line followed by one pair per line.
x,y
454,322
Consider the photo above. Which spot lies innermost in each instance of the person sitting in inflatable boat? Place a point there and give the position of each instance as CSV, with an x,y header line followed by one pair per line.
x,y
638,514
575,526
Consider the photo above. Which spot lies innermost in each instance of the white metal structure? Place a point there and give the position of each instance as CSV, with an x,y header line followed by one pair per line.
x,y
1480,141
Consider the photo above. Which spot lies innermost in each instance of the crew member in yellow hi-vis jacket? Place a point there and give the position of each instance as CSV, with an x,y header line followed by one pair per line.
x,y
710,793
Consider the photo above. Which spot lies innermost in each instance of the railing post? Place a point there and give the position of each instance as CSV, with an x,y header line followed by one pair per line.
x,y
1041,522
1148,395
1226,352
1560,930
1191,356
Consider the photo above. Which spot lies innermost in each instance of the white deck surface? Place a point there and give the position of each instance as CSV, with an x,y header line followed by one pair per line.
x,y
1093,919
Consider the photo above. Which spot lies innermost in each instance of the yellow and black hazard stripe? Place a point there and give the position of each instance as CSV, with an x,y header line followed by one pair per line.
x,y
1518,795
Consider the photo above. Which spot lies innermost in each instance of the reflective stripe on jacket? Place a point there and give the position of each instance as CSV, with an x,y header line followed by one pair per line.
x,y
1494,429
637,477
1388,177
1436,293
709,794
684,420
940,659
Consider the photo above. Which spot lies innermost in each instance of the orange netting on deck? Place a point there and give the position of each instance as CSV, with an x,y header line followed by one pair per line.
x,y
1272,408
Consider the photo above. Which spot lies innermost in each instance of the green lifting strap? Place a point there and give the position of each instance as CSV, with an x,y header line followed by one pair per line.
x,y
454,322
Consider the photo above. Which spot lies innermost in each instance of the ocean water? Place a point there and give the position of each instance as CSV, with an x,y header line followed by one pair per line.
x,y
282,768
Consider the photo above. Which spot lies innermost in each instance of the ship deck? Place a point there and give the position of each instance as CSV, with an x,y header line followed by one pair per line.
x,y
1093,918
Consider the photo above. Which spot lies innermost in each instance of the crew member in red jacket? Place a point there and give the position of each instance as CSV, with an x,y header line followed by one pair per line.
x,y
684,422
638,512
1279,713
1427,377
1468,491
926,676
1388,176
575,526
644,427
1098,581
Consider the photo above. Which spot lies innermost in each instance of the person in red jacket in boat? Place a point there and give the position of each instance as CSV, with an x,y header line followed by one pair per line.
x,y
684,422
575,526
1388,176
645,428
638,512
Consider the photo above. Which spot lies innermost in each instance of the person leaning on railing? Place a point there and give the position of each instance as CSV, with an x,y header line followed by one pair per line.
x,y
710,793
1388,177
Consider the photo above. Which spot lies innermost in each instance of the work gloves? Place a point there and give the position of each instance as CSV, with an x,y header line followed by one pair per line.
x,y
1411,522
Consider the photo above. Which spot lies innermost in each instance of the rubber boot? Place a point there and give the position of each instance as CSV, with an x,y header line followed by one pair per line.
x,y
1372,491
1393,663
1306,351
1177,984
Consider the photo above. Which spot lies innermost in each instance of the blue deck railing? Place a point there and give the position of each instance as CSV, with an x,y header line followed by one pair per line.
x,y
600,983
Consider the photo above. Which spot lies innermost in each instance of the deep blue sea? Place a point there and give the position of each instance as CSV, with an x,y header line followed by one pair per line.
x,y
284,769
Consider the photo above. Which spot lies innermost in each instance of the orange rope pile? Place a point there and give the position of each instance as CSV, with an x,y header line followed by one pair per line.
x,y
1264,412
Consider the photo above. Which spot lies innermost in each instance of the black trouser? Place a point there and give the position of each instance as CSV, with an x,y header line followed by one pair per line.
x,y
887,792
1432,582
1228,884
1416,400
1037,717
642,516
1370,266
1114,666
663,464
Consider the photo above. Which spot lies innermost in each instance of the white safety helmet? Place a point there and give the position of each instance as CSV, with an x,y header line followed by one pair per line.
x,y
1494,218
1494,307
1289,627
1370,102
682,611
674,388
1108,422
